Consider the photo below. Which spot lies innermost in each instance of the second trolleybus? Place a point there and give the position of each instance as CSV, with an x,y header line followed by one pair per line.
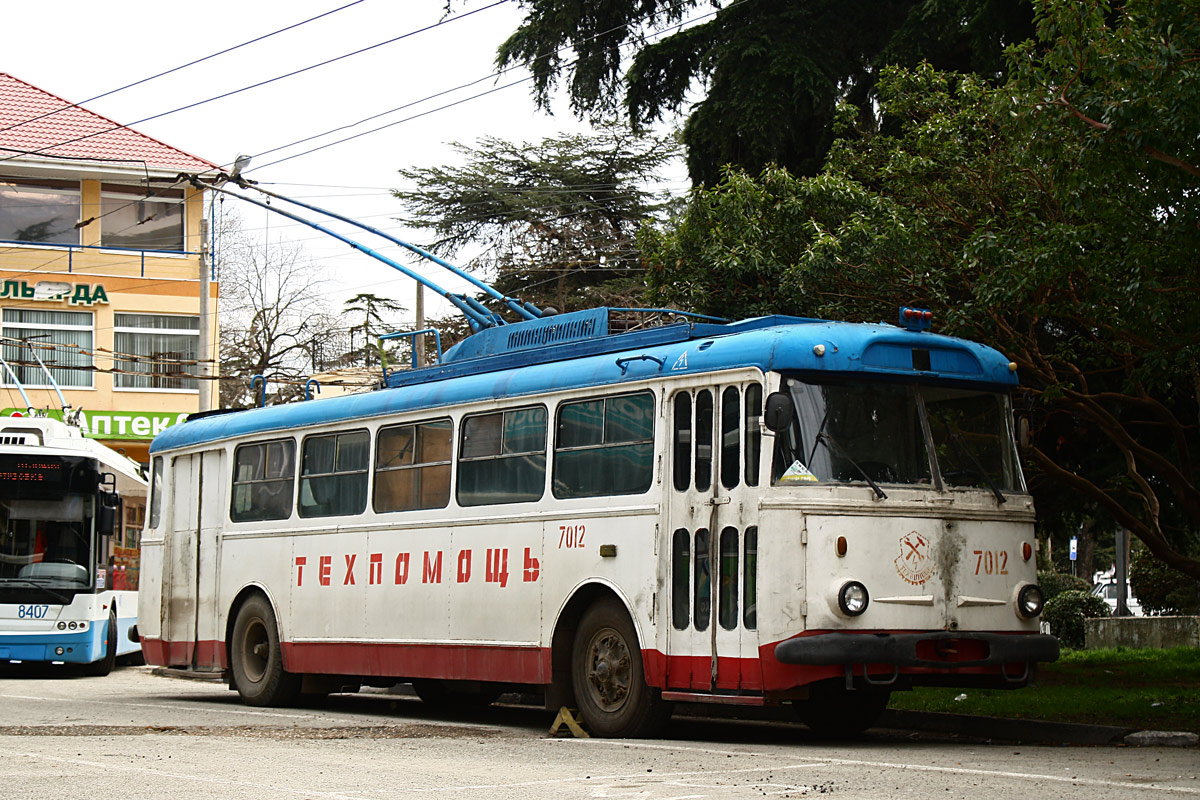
x,y
71,511
777,510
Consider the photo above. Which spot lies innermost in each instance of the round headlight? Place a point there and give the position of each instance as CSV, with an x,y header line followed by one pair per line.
x,y
62,626
853,598
72,625
1030,600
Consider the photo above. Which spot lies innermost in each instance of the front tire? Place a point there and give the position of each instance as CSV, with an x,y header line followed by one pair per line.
x,y
608,677
256,658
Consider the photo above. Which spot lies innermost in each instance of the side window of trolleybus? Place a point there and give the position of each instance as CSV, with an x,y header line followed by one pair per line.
x,y
412,466
604,447
503,457
333,474
156,490
263,478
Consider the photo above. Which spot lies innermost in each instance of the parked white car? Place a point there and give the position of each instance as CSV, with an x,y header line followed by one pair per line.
x,y
1106,589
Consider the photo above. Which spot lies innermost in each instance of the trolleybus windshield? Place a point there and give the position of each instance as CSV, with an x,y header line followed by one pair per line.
x,y
889,433
46,544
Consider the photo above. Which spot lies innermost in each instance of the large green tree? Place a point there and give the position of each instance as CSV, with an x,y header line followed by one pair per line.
x,y
553,223
1056,217
760,78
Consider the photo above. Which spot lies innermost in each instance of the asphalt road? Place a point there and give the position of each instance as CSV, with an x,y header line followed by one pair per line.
x,y
137,734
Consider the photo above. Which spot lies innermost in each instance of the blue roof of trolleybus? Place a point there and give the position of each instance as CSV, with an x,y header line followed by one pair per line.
x,y
782,344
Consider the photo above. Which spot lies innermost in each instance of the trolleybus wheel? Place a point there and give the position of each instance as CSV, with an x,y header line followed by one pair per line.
x,y
607,675
105,665
833,712
256,660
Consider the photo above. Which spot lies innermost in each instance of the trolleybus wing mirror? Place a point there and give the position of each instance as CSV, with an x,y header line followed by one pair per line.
x,y
1024,433
780,411
106,514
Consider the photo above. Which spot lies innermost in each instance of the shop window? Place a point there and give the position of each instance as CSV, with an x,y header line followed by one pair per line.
x,y
61,339
156,351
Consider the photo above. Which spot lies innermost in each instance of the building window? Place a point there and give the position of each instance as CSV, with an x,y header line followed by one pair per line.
x,y
263,475
333,474
131,219
155,351
46,214
605,447
412,467
61,339
503,457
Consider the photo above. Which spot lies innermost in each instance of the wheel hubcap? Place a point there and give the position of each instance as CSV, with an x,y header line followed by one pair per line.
x,y
256,651
609,673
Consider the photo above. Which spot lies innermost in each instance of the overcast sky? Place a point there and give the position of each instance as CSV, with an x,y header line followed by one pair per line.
x,y
79,50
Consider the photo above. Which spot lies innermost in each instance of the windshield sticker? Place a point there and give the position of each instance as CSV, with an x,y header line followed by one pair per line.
x,y
797,473
914,563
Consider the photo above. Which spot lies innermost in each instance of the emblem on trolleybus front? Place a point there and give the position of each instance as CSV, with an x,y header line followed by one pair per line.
x,y
914,564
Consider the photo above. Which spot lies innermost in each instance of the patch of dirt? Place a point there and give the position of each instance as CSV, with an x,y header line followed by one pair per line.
x,y
415,731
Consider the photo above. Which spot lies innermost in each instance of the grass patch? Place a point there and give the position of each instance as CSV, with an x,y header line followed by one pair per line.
x,y
1145,689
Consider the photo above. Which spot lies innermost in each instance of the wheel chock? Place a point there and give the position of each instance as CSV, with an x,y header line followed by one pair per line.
x,y
567,716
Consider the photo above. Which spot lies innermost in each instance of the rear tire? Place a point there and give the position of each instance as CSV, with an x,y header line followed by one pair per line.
x,y
105,665
256,658
834,713
608,677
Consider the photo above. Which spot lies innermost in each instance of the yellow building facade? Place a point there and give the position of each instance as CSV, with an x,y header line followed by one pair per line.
x,y
102,267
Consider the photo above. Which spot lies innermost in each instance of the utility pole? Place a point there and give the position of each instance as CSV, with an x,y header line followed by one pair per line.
x,y
419,341
205,352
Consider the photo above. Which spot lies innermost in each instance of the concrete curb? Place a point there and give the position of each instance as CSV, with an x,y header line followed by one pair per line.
x,y
1162,739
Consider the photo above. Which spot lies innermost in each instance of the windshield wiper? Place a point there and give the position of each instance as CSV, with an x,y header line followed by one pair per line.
x,y
66,601
963,450
833,445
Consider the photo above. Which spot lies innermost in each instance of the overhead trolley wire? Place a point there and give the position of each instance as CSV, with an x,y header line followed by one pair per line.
x,y
496,74
293,73
183,66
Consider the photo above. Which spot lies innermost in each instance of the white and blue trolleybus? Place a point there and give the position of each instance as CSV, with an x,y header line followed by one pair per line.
x,y
70,513
622,510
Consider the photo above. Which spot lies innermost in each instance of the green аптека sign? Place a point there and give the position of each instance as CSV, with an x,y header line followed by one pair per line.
x,y
132,425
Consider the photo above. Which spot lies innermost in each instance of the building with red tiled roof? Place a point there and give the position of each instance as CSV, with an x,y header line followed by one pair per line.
x,y
101,272
38,126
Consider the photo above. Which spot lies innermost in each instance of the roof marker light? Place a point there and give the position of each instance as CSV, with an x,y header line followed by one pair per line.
x,y
916,319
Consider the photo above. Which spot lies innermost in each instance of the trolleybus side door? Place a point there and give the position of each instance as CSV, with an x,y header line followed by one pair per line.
x,y
711,537
189,593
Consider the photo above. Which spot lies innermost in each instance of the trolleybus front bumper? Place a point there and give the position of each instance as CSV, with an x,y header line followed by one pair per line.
x,y
935,650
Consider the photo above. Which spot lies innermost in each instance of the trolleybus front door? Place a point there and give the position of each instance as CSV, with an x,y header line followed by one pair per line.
x,y
712,536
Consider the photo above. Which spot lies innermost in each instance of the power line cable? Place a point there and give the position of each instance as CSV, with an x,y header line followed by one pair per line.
x,y
261,83
182,66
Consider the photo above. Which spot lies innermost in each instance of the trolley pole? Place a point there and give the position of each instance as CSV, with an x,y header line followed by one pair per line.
x,y
204,353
